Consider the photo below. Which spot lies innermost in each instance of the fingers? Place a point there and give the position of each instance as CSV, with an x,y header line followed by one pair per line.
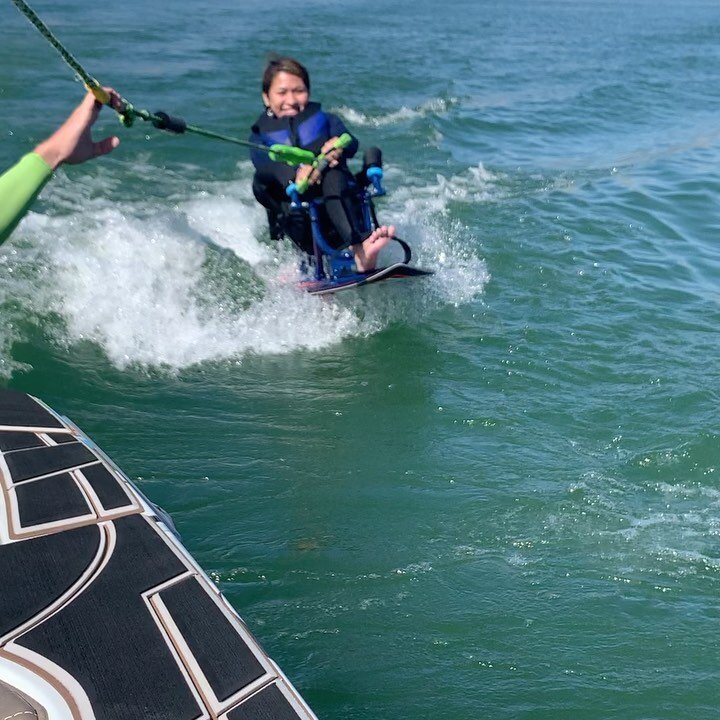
x,y
103,147
95,109
328,146
116,102
86,113
306,172
333,156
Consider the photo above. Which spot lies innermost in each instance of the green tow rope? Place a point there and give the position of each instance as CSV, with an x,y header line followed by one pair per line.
x,y
279,153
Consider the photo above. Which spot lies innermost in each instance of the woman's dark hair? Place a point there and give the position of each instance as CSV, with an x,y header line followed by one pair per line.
x,y
277,64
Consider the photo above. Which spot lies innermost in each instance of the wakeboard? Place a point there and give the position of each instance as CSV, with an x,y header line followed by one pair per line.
x,y
397,271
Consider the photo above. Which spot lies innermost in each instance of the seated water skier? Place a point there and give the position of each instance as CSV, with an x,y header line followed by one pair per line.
x,y
71,143
291,119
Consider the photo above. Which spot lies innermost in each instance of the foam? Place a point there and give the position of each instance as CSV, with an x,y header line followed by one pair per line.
x,y
167,283
436,106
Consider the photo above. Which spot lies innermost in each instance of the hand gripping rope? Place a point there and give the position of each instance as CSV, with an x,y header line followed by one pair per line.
x,y
279,153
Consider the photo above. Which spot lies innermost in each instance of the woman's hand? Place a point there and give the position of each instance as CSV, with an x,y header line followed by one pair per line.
x,y
311,174
307,172
332,154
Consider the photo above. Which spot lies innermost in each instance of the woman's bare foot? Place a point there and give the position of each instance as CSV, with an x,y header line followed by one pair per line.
x,y
366,253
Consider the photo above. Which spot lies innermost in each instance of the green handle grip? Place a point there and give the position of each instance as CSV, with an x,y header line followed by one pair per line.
x,y
343,141
291,155
320,162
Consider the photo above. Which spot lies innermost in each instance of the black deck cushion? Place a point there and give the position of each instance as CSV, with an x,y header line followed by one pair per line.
x,y
19,409
62,437
26,464
106,638
34,573
51,499
106,487
268,704
14,440
222,654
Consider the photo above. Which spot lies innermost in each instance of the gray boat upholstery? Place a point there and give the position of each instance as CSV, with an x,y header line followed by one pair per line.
x,y
15,705
103,613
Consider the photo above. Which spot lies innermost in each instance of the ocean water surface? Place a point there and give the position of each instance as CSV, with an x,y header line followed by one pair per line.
x,y
493,493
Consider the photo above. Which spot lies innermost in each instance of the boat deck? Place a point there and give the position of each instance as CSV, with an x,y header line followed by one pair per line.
x,y
103,612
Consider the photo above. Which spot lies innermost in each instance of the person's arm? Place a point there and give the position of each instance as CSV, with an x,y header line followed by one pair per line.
x,y
19,187
71,143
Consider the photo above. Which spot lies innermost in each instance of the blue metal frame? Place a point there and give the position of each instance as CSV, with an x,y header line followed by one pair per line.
x,y
339,262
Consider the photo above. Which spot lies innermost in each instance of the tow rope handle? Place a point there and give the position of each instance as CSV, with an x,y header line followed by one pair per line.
x,y
321,162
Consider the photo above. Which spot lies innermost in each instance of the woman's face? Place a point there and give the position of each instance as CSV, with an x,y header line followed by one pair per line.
x,y
287,95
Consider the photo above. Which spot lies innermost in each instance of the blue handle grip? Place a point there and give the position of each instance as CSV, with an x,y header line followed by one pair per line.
x,y
293,193
375,175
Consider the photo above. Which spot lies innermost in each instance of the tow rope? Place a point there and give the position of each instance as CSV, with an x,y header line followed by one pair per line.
x,y
280,153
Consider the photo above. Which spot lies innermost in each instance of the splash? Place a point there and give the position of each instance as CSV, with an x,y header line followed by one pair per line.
x,y
437,106
475,185
170,283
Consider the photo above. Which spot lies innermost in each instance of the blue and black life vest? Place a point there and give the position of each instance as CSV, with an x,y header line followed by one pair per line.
x,y
309,129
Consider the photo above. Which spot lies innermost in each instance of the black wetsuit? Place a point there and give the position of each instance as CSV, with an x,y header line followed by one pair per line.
x,y
310,130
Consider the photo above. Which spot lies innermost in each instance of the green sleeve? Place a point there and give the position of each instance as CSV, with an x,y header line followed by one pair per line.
x,y
19,186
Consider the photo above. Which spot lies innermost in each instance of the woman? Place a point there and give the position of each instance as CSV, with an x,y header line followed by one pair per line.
x,y
291,119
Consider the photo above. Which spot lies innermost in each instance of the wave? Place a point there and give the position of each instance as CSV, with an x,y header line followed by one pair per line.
x,y
436,106
170,283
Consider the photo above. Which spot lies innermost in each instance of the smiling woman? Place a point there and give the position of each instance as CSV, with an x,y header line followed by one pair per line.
x,y
290,118
286,87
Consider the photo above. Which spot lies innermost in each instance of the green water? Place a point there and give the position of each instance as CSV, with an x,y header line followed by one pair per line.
x,y
489,494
